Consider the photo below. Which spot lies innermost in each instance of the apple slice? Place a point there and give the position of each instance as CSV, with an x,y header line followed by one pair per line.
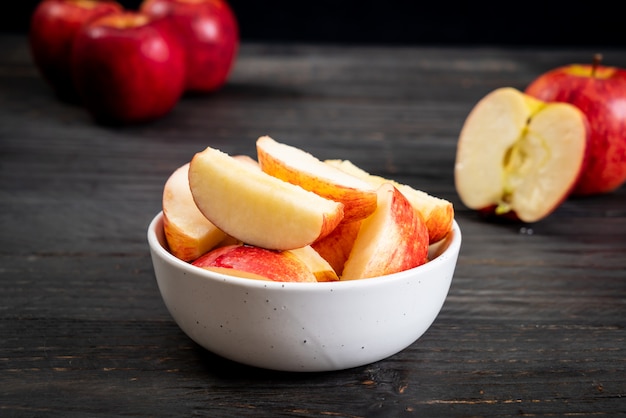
x,y
257,208
256,263
188,233
336,246
437,213
519,157
298,167
393,239
321,269
248,160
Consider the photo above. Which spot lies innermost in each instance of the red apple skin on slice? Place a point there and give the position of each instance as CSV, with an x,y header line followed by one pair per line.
x,y
438,213
320,267
256,263
519,157
188,233
299,167
336,246
393,239
256,208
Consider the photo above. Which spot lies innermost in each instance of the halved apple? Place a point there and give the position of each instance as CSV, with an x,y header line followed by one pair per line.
x,y
519,157
188,233
252,262
299,167
438,213
393,239
257,208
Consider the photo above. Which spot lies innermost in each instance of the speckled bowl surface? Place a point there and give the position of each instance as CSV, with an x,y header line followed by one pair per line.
x,y
307,327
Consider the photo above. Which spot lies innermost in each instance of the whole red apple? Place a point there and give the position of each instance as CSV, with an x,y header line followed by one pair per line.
x,y
600,92
128,68
53,26
210,33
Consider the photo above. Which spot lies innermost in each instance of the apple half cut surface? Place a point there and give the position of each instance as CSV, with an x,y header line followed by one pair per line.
x,y
519,157
299,167
255,207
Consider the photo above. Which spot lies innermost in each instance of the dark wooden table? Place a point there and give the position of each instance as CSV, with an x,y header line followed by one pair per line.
x,y
535,319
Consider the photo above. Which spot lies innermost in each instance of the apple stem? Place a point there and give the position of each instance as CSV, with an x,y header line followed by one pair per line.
x,y
597,59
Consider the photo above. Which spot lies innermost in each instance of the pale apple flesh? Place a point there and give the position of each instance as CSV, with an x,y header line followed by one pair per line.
x,y
393,239
519,155
299,167
247,261
188,233
248,160
438,213
270,229
257,208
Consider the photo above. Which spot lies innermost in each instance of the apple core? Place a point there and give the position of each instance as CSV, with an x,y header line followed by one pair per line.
x,y
528,155
519,157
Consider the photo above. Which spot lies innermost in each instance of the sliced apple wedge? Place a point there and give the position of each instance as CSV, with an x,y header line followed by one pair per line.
x,y
299,167
438,213
256,263
188,233
321,269
247,159
519,157
393,239
336,246
257,208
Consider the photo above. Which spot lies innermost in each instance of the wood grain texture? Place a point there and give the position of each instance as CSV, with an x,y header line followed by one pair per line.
x,y
534,323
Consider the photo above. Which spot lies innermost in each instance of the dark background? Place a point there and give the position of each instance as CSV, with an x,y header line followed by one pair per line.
x,y
394,22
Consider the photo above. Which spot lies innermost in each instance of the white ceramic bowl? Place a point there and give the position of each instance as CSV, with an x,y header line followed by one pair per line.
x,y
303,326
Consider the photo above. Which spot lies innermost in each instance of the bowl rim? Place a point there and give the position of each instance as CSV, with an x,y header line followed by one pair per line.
x,y
451,245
